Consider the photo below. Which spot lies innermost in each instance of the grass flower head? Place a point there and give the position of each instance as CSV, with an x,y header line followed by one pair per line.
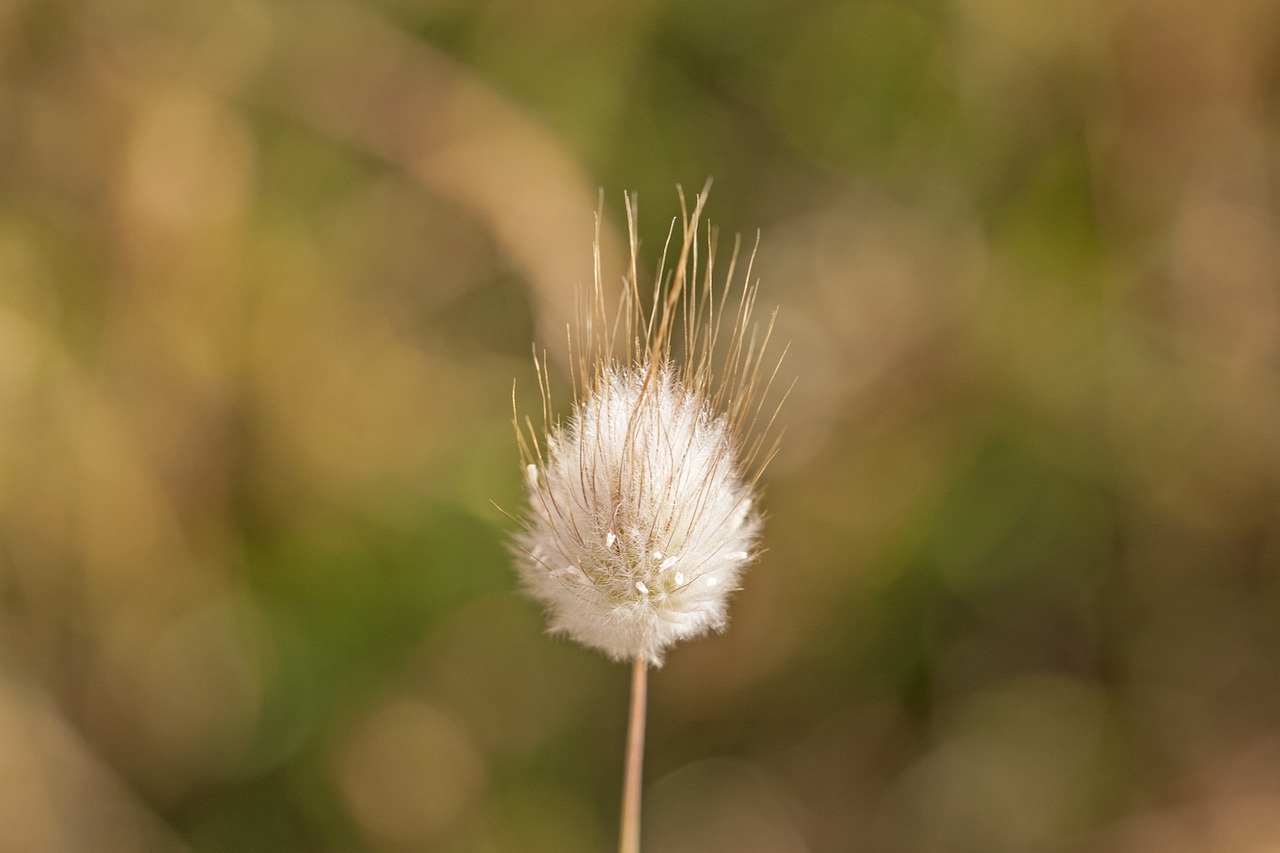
x,y
642,504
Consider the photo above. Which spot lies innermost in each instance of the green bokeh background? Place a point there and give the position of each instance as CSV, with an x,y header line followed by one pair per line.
x,y
268,270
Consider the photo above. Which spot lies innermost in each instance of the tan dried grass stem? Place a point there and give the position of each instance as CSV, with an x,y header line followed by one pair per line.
x,y
629,841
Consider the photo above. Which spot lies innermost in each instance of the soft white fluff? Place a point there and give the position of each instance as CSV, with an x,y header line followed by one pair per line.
x,y
641,521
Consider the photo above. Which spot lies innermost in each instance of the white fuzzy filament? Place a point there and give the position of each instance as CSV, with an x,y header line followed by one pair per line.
x,y
641,521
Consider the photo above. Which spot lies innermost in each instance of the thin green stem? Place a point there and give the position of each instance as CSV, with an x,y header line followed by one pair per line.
x,y
629,841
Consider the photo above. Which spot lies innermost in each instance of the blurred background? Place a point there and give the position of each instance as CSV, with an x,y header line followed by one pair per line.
x,y
268,270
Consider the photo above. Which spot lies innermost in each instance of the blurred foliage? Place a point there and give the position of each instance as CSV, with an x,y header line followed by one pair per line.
x,y
268,270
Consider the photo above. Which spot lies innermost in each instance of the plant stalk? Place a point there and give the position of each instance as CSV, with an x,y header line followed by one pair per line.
x,y
629,842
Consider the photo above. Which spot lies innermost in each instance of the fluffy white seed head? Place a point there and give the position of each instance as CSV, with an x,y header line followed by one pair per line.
x,y
642,509
641,522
